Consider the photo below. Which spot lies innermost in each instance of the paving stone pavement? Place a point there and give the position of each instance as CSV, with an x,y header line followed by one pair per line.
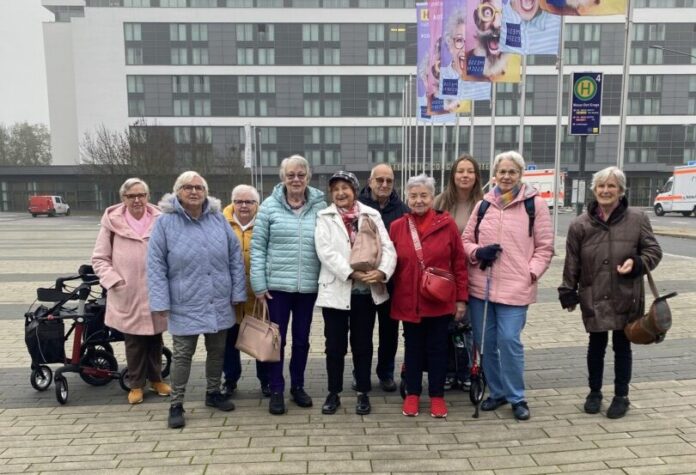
x,y
98,432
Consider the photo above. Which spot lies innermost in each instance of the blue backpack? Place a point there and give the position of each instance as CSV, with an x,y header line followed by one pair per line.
x,y
528,206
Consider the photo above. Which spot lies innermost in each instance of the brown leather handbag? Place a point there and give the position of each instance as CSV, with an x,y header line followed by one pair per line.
x,y
366,253
258,336
653,326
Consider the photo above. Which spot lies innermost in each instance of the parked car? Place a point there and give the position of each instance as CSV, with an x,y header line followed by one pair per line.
x,y
49,205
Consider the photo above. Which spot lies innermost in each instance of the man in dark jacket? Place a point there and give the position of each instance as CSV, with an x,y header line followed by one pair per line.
x,y
380,195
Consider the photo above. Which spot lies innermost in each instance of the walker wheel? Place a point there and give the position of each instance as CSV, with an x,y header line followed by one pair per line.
x,y
166,361
98,359
61,389
477,389
123,380
41,378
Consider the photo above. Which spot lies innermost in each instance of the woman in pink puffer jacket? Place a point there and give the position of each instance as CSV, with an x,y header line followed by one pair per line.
x,y
515,256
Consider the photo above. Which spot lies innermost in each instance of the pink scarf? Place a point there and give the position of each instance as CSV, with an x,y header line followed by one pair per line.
x,y
350,220
139,226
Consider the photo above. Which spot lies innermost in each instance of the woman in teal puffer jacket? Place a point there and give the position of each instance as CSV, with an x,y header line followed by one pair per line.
x,y
285,271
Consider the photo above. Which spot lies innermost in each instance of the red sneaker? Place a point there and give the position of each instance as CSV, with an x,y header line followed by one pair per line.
x,y
410,407
438,407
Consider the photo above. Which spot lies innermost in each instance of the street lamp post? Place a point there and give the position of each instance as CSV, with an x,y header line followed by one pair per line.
x,y
674,51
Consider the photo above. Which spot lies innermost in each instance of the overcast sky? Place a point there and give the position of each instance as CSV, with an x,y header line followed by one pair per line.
x,y
22,66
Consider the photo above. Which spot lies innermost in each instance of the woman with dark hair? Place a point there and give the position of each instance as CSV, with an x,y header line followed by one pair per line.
x,y
463,190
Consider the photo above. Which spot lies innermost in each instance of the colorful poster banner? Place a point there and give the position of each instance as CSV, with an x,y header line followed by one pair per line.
x,y
453,87
527,29
485,60
585,7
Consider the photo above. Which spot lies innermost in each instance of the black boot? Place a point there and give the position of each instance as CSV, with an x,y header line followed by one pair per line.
x,y
619,406
332,403
593,402
363,407
276,405
300,397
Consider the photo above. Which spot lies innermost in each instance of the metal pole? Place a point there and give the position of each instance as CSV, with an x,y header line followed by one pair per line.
x,y
442,158
415,148
492,142
456,137
432,145
559,111
581,174
425,134
523,104
253,156
260,181
403,136
624,85
409,124
472,115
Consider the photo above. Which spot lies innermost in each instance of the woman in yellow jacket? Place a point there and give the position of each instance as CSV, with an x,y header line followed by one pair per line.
x,y
241,215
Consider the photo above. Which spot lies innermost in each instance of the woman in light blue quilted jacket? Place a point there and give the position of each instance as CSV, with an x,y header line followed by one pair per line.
x,y
195,274
285,271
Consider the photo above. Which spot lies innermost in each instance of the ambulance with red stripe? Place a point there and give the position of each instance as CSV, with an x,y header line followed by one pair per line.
x,y
542,180
678,195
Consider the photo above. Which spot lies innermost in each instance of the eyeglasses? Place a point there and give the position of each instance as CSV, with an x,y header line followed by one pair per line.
x,y
244,202
382,181
458,42
190,188
507,172
292,176
487,12
135,196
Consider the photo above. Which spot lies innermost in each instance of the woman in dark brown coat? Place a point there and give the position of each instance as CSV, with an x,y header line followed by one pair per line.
x,y
607,251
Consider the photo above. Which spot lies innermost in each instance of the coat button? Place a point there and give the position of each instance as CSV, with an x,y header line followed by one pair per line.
x,y
605,262
606,297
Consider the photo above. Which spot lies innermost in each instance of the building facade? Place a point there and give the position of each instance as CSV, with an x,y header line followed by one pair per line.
x,y
325,78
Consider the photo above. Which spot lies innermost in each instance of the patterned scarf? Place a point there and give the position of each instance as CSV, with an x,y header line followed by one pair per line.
x,y
504,199
350,220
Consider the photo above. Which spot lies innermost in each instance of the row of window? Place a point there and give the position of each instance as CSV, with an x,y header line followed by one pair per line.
x,y
253,3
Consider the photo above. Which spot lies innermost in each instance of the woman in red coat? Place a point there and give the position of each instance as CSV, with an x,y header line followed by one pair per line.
x,y
425,320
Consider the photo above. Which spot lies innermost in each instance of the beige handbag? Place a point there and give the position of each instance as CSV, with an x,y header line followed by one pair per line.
x,y
653,326
258,336
366,253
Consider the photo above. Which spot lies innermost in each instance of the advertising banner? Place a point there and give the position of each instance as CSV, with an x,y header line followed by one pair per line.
x,y
527,29
585,7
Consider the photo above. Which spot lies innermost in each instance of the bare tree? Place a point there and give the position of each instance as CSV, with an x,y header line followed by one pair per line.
x,y
25,144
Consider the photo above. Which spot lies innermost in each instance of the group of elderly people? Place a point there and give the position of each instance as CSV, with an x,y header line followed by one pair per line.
x,y
193,268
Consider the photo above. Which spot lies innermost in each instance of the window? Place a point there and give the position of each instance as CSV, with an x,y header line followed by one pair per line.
x,y
336,3
245,32
396,84
590,55
375,32
395,107
199,55
181,107
397,32
136,107
332,56
265,32
305,3
245,55
649,32
332,33
180,84
269,3
173,3
199,32
201,107
266,56
177,32
133,31
375,84
268,135
311,85
311,107
310,32
182,135
245,84
240,3
332,135
332,108
135,84
247,107
332,84
375,135
134,56
312,135
136,3
179,56
204,135
591,32
332,157
310,55
203,3
394,134
375,56
201,84
263,107
267,84
375,107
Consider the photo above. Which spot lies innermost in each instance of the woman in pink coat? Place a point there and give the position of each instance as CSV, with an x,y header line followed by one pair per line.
x,y
508,252
119,259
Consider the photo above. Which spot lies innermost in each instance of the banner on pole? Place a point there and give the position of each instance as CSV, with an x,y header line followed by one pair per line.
x,y
247,146
585,7
528,29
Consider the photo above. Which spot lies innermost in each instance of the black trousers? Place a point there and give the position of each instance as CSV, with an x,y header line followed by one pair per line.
x,y
426,348
623,360
359,322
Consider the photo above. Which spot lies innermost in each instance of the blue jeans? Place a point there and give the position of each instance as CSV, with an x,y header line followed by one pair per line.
x,y
503,353
232,366
279,309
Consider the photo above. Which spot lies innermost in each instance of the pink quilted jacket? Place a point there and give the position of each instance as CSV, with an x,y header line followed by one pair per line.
x,y
511,280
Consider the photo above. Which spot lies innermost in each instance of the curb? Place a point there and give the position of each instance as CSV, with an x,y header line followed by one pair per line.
x,y
684,234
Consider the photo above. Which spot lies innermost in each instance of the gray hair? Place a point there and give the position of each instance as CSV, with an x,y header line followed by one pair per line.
x,y
372,172
456,18
603,175
421,180
130,183
513,156
239,189
294,160
185,178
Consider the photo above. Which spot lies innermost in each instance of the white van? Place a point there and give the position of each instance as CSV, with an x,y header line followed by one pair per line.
x,y
678,195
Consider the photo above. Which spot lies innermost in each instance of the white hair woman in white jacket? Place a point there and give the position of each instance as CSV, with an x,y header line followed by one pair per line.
x,y
345,294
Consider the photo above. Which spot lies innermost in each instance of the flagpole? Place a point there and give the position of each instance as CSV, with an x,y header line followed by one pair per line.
x,y
456,136
559,130
442,158
425,135
492,139
403,138
472,115
624,86
523,103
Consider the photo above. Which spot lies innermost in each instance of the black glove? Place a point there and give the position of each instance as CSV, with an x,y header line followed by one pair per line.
x,y
488,254
568,298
